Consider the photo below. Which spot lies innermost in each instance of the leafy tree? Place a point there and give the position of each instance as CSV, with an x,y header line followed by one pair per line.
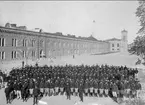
x,y
140,12
138,47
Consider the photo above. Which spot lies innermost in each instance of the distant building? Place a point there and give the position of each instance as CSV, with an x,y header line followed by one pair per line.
x,y
119,44
17,43
115,44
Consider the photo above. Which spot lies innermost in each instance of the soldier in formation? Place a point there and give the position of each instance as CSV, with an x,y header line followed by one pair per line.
x,y
83,80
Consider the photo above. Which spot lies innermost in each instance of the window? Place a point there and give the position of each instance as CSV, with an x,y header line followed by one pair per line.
x,y
2,42
113,49
117,49
33,43
24,54
2,55
33,53
117,44
55,44
14,54
112,45
64,44
24,42
14,42
42,43
60,44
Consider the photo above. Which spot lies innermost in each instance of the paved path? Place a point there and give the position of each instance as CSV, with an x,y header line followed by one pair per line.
x,y
60,100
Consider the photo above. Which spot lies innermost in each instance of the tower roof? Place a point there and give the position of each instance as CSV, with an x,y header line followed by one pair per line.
x,y
124,30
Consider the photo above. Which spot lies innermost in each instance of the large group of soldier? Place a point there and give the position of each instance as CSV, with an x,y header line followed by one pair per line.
x,y
82,80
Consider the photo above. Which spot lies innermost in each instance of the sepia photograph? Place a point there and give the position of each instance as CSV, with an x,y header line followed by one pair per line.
x,y
72,52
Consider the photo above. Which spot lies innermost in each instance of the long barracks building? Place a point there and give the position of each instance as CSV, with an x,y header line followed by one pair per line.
x,y
19,44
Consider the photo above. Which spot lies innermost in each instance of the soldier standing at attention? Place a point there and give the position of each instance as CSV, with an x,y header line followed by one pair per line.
x,y
67,88
81,90
35,93
22,64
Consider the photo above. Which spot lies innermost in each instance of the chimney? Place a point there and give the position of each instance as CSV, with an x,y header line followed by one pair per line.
x,y
22,27
14,25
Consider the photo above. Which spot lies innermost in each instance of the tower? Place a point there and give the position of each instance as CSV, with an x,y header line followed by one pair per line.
x,y
124,41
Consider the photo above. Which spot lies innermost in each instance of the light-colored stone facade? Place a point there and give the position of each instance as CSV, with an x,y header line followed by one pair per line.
x,y
124,41
119,45
115,44
23,44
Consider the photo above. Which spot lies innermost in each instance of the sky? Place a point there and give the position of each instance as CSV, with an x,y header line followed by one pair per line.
x,y
102,19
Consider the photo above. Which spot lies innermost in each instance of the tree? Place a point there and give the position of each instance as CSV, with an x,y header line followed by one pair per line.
x,y
140,12
138,47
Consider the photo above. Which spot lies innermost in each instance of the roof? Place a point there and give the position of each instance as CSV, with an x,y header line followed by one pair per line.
x,y
92,38
124,30
113,39
57,34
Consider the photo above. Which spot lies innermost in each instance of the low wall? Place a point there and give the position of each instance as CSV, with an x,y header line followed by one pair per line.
x,y
105,53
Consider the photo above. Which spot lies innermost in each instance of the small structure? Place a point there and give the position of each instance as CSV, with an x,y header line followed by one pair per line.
x,y
119,44
115,44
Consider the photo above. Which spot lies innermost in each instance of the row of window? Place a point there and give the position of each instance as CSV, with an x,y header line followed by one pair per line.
x,y
73,45
15,42
14,54
32,54
25,43
117,45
